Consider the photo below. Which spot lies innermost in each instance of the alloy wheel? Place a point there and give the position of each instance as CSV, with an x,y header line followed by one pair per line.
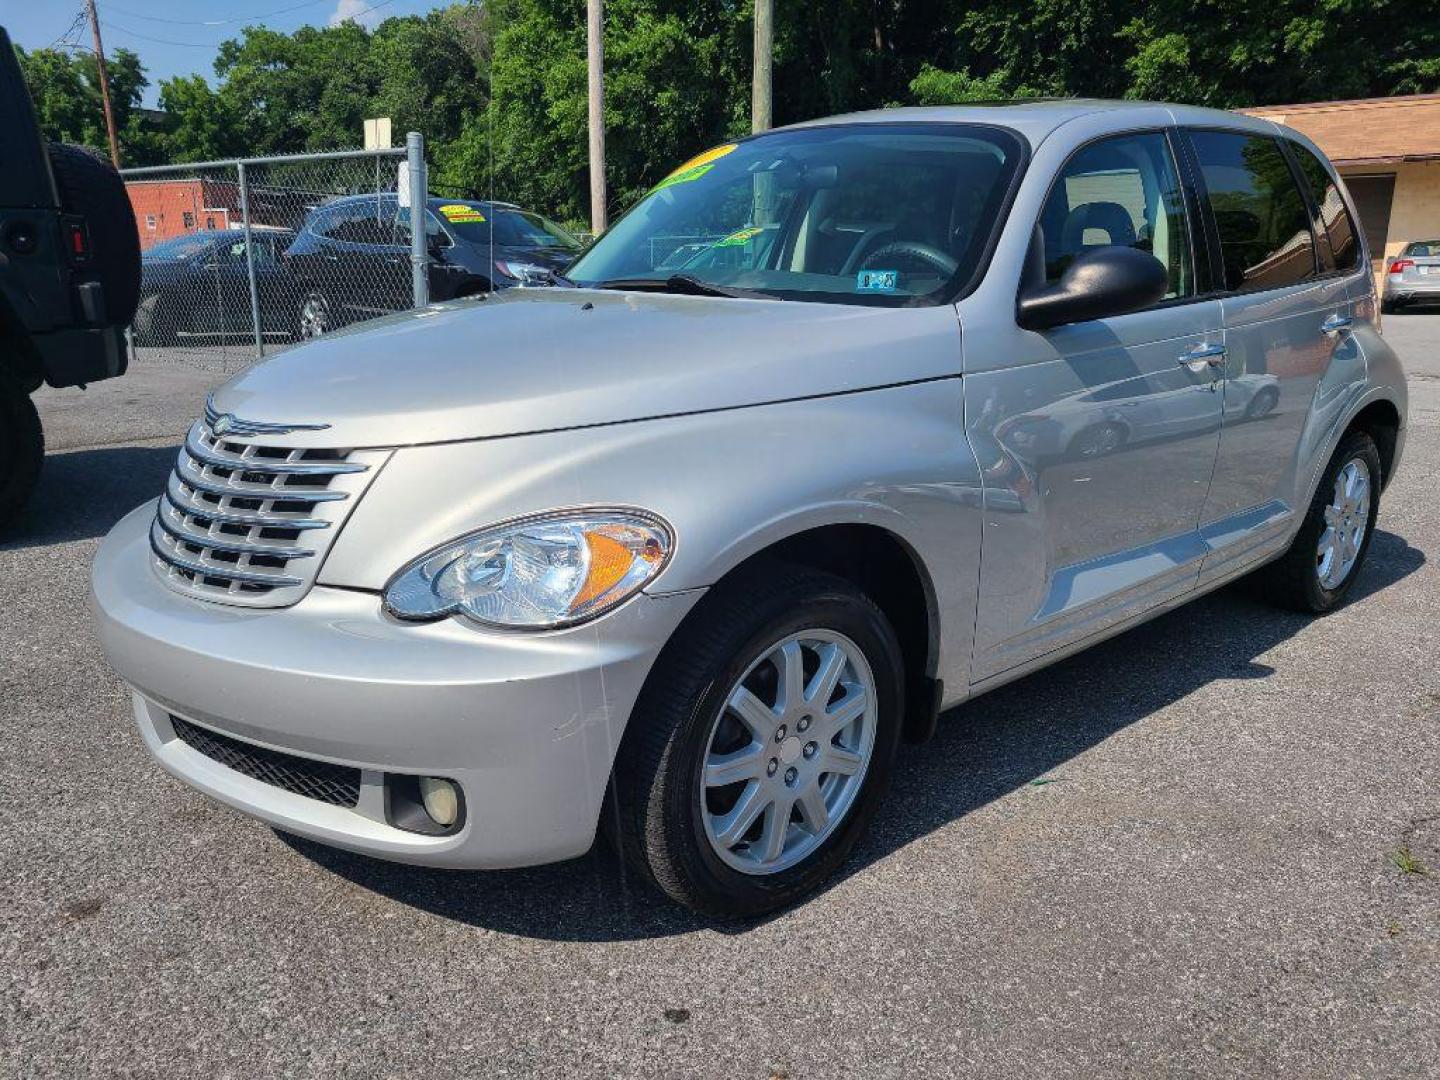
x,y
1346,520
314,317
787,756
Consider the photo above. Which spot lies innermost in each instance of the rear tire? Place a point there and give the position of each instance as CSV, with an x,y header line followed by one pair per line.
x,y
1262,404
153,326
1302,579
668,803
22,449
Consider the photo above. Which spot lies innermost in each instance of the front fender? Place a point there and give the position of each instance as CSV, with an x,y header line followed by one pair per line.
x,y
731,482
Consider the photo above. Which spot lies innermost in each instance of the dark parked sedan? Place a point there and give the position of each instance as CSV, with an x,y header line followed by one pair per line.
x,y
196,288
351,260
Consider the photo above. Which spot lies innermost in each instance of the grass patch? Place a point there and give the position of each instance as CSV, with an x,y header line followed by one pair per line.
x,y
1405,861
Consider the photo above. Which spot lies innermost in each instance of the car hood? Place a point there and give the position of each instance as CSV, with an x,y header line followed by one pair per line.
x,y
532,360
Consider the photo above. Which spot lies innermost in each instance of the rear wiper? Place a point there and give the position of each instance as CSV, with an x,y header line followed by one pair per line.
x,y
685,284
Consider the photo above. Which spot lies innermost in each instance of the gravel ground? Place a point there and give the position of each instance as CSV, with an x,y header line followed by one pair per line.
x,y
1173,855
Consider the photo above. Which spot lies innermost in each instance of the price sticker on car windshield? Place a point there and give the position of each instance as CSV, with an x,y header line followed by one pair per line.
x,y
741,238
884,281
696,167
461,214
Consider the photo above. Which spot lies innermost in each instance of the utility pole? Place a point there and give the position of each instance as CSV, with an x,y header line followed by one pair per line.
x,y
764,47
595,30
104,84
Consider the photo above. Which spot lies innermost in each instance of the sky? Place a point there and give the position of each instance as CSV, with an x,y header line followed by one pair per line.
x,y
180,37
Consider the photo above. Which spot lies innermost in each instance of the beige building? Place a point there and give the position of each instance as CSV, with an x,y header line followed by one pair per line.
x,y
1388,152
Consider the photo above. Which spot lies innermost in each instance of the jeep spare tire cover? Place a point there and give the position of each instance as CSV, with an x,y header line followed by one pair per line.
x,y
90,187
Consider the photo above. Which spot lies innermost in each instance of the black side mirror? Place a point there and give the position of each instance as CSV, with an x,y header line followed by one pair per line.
x,y
1100,283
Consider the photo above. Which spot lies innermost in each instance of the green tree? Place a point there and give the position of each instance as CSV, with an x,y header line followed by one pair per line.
x,y
66,91
498,87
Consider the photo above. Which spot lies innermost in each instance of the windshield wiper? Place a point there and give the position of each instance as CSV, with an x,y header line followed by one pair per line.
x,y
684,284
559,280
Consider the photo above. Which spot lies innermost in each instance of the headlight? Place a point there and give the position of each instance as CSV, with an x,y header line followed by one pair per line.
x,y
537,573
523,272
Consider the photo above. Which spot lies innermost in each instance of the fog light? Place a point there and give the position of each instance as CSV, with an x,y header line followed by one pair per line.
x,y
441,800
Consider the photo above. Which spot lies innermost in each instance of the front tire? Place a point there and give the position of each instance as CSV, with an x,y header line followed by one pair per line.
x,y
762,743
315,318
1320,567
22,448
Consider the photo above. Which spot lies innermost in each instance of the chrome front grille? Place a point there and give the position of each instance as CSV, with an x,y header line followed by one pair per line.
x,y
246,521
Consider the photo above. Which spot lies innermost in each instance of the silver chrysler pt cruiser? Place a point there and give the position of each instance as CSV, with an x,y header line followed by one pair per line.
x,y
841,425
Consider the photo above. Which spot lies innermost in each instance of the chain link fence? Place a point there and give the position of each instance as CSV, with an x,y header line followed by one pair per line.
x,y
243,258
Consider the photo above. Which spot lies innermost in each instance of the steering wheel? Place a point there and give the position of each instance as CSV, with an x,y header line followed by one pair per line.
x,y
945,264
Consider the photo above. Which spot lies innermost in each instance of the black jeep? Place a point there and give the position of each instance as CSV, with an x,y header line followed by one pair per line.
x,y
69,276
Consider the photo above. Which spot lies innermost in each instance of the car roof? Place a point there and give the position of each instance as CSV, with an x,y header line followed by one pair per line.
x,y
1036,118
228,234
432,201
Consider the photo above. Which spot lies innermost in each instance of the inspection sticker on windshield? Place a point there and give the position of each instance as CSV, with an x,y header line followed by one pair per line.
x,y
877,280
461,214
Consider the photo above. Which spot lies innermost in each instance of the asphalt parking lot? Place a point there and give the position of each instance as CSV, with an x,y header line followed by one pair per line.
x,y
1210,847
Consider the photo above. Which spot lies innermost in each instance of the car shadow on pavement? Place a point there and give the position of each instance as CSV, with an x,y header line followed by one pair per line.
x,y
82,493
983,750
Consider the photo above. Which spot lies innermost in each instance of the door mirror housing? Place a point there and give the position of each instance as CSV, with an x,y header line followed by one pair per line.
x,y
1099,284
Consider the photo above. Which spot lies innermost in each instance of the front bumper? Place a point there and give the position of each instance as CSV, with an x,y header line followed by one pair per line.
x,y
526,724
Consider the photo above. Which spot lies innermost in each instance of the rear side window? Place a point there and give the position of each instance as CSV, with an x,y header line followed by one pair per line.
x,y
1335,223
1264,225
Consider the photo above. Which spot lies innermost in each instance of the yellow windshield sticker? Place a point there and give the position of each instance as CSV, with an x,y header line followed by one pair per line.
x,y
741,238
460,213
696,167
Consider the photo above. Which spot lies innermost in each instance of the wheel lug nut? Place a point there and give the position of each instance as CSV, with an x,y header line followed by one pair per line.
x,y
790,775
780,733
804,723
811,749
771,767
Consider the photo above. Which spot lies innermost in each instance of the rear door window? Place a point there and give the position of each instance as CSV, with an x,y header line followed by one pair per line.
x,y
1337,230
1258,211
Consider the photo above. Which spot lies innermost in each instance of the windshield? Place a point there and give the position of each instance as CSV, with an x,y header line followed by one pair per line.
x,y
1424,248
865,213
513,228
181,247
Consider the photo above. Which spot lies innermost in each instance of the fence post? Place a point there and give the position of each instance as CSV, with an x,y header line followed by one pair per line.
x,y
419,197
250,261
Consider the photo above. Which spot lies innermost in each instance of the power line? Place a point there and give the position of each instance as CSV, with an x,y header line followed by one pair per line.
x,y
218,22
157,40
202,45
69,39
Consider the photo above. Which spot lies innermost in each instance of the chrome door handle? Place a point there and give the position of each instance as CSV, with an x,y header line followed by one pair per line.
x,y
1195,359
1336,323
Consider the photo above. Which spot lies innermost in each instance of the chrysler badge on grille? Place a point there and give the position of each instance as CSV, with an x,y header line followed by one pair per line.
x,y
230,424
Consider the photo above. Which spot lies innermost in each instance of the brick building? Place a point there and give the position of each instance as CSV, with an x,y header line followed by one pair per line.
x,y
167,208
